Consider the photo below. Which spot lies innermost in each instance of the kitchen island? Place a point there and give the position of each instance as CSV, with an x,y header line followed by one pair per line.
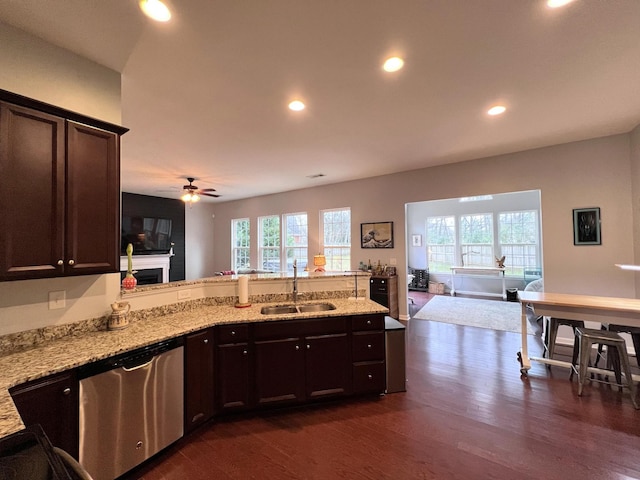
x,y
152,325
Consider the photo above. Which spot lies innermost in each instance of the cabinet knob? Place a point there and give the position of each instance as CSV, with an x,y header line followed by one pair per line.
x,y
71,262
244,352
297,347
370,377
66,391
206,340
139,445
368,322
308,346
60,262
369,345
233,332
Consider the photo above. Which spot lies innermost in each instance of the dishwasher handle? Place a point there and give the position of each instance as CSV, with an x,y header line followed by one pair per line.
x,y
137,367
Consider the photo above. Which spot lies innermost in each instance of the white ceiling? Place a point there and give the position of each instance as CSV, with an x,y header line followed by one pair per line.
x,y
206,95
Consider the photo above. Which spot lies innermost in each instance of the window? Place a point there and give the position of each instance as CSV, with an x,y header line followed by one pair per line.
x,y
269,243
518,234
441,243
336,238
296,240
476,240
240,242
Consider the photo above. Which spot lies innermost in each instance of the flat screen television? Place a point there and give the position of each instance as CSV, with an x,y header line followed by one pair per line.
x,y
148,235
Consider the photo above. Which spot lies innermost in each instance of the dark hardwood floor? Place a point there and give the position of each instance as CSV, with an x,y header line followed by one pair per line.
x,y
467,414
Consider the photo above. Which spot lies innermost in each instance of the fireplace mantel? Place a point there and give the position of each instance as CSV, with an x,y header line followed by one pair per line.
x,y
143,262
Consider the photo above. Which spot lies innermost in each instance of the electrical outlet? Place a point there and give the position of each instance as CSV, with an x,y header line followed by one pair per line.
x,y
184,294
57,299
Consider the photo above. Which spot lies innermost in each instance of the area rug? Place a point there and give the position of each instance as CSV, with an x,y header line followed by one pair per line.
x,y
491,314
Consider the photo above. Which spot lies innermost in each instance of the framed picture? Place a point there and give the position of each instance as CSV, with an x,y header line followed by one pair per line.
x,y
586,226
416,240
377,235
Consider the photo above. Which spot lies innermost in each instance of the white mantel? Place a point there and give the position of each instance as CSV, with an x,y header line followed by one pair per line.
x,y
144,262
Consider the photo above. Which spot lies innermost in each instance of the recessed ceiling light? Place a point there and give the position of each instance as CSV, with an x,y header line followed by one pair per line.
x,y
296,106
156,10
393,64
558,3
496,110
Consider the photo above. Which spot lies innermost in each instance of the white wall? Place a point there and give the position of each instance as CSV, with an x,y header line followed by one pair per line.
x,y
199,248
591,173
635,201
36,69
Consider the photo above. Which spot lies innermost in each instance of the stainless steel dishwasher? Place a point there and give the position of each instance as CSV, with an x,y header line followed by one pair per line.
x,y
131,407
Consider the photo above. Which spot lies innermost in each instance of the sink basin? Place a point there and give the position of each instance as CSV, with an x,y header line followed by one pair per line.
x,y
316,307
302,308
279,310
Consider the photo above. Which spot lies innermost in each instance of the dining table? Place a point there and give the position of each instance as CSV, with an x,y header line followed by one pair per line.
x,y
589,308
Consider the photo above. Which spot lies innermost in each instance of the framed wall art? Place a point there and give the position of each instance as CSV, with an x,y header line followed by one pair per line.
x,y
377,235
416,240
586,226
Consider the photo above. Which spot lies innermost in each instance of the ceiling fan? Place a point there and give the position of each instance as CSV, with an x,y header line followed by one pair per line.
x,y
192,193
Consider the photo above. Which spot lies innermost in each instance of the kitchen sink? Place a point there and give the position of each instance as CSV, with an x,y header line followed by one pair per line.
x,y
316,307
302,308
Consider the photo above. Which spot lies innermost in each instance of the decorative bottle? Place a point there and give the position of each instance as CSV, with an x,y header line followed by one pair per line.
x,y
129,282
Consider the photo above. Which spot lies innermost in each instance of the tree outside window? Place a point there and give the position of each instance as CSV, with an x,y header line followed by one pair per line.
x,y
240,243
336,236
269,243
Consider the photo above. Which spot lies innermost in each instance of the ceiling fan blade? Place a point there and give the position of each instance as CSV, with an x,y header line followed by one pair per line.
x,y
208,194
207,190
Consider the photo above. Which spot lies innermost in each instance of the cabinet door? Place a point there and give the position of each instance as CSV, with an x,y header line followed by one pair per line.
x,y
279,371
199,378
233,376
93,201
327,365
32,169
52,402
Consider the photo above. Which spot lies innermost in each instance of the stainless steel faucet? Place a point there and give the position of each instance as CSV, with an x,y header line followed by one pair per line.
x,y
295,280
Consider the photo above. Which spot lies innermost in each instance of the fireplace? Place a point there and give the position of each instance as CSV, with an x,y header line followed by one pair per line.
x,y
147,276
149,263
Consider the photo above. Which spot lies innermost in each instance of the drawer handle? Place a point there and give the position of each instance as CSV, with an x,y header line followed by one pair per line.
x,y
66,391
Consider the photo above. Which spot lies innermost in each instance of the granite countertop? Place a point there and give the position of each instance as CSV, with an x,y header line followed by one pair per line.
x,y
75,350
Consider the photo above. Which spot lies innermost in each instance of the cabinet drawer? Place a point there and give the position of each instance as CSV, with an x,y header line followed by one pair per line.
x,y
367,322
235,333
369,377
379,285
368,346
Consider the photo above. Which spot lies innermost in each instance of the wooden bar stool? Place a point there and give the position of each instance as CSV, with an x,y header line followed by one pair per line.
x,y
616,351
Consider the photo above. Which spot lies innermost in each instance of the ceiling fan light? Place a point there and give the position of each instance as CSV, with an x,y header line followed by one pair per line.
x,y
195,197
186,197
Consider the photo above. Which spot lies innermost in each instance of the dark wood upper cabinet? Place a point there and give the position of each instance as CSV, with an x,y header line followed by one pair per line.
x,y
60,191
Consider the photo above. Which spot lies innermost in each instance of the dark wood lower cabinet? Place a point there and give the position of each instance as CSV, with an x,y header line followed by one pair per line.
x,y
279,374
326,365
199,379
52,402
232,381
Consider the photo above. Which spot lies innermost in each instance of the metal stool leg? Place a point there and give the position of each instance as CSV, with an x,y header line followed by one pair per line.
x,y
626,369
585,350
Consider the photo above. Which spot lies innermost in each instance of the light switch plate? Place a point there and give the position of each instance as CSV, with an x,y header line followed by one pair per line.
x,y
57,299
